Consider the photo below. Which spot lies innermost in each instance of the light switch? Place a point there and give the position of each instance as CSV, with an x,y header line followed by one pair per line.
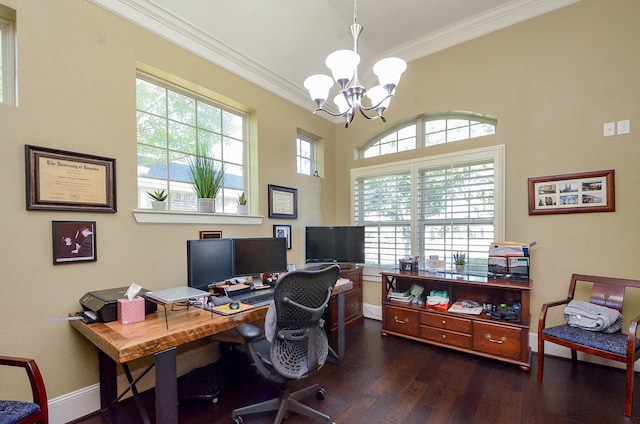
x,y
624,127
609,129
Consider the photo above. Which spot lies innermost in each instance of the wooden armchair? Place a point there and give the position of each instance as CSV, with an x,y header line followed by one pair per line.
x,y
625,348
20,412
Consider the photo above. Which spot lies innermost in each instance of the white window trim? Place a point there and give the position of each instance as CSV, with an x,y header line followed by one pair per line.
x,y
9,63
149,216
496,153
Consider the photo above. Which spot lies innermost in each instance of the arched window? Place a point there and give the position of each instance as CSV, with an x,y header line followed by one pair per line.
x,y
436,128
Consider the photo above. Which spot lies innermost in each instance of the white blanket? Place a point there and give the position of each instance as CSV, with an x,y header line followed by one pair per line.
x,y
593,317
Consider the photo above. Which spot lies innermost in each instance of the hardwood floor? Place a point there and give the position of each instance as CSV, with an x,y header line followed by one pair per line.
x,y
388,380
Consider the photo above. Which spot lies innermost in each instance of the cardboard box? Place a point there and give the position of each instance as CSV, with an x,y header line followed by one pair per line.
x,y
130,311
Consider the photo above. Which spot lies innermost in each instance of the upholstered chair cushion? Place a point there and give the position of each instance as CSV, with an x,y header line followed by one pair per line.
x,y
611,342
12,411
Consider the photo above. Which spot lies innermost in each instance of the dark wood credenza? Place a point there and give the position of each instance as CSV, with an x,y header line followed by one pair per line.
x,y
481,335
353,314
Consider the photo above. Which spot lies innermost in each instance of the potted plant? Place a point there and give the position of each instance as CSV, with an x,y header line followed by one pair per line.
x,y
460,260
158,199
207,180
243,208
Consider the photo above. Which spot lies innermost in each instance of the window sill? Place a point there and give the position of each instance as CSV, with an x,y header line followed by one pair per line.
x,y
148,216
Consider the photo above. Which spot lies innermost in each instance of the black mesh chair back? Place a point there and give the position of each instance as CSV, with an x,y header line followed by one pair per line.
x,y
299,345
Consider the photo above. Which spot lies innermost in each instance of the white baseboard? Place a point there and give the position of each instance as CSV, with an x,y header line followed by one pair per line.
x,y
79,403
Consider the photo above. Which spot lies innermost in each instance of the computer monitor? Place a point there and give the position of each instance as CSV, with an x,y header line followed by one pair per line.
x,y
253,256
209,261
339,244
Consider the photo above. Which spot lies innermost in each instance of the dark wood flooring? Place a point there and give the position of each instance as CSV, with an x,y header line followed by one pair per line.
x,y
391,380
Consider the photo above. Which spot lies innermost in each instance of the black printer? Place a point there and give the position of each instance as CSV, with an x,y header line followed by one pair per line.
x,y
104,303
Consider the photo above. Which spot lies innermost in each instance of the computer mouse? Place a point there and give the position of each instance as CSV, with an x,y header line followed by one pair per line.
x,y
234,305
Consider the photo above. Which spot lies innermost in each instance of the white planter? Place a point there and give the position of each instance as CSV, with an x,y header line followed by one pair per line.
x,y
207,205
243,209
158,205
459,268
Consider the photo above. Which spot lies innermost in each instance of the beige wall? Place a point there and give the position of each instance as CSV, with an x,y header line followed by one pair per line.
x,y
77,67
551,82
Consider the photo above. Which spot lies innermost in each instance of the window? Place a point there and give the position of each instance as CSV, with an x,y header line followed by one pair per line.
x,y
7,56
437,128
174,125
435,206
304,155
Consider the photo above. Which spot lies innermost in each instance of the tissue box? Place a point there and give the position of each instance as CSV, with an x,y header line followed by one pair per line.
x,y
130,311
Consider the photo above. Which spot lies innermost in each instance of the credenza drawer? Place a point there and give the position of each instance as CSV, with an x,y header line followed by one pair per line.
x,y
460,325
401,321
497,340
446,337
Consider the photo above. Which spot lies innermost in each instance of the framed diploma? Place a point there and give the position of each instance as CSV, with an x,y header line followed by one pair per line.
x,y
68,181
283,202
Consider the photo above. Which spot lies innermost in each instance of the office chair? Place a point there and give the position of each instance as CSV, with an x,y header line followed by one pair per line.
x,y
20,412
298,345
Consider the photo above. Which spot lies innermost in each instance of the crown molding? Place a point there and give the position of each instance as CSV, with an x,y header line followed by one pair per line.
x,y
148,15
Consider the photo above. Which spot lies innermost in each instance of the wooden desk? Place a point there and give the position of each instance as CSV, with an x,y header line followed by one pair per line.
x,y
121,344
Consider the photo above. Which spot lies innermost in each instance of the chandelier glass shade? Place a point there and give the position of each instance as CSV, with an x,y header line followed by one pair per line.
x,y
344,70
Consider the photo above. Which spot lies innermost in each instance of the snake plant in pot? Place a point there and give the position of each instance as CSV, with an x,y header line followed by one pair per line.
x,y
207,179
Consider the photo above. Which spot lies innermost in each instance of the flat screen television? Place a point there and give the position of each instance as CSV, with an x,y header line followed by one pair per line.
x,y
334,245
253,256
209,261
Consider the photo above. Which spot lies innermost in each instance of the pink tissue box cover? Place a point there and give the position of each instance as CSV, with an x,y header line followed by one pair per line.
x,y
130,311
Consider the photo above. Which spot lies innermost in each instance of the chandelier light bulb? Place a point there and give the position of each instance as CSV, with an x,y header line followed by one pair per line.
x,y
341,102
389,71
343,65
318,86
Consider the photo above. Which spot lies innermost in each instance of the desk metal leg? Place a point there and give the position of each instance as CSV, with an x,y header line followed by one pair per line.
x,y
339,357
166,387
108,380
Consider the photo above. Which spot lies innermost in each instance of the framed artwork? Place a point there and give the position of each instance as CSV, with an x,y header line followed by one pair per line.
x,y
283,231
68,181
572,193
73,241
210,234
283,202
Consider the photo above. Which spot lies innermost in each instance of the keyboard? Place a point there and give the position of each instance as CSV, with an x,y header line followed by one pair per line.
x,y
259,299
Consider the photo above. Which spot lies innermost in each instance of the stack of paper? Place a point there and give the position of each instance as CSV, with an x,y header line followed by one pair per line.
x,y
466,307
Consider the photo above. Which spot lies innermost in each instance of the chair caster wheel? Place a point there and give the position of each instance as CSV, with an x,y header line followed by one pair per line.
x,y
214,400
237,420
320,394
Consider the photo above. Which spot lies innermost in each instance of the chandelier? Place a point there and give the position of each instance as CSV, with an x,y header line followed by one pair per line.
x,y
344,68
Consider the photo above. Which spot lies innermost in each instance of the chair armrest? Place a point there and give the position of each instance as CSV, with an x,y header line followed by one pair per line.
x,y
35,378
249,332
542,320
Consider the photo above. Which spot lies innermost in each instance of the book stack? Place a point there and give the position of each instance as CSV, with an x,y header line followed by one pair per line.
x,y
406,296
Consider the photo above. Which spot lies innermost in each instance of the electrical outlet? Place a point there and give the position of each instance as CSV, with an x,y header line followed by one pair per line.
x,y
609,129
624,127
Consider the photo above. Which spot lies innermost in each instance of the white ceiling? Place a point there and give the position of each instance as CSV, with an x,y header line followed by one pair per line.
x,y
276,44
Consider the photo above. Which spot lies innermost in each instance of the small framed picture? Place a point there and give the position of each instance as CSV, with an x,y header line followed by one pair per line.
x,y
73,241
283,231
210,234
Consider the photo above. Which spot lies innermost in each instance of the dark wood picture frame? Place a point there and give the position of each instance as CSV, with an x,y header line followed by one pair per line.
x,y
573,193
284,231
283,202
73,241
67,181
215,234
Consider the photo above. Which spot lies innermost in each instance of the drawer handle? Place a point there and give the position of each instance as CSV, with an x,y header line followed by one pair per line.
x,y
444,322
444,336
405,321
501,341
